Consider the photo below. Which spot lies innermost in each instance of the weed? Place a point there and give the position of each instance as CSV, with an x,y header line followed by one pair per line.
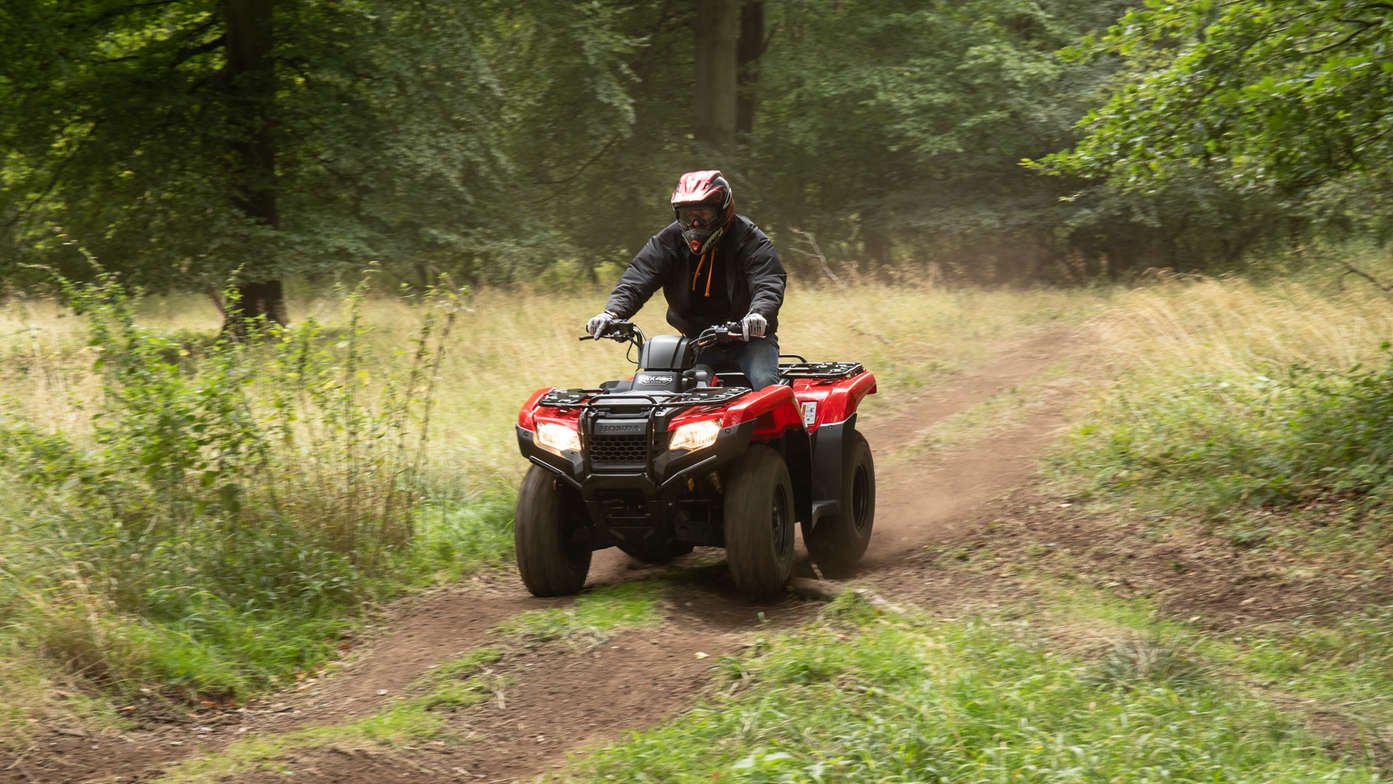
x,y
1147,661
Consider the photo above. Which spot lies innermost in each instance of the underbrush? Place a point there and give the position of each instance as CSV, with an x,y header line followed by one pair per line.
x,y
864,696
230,508
1236,401
1209,443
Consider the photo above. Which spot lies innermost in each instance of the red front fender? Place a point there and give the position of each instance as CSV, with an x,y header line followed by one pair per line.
x,y
774,409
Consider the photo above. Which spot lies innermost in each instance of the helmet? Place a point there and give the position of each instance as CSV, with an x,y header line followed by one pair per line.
x,y
703,204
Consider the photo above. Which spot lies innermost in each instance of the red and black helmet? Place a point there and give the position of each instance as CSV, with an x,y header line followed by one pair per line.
x,y
703,204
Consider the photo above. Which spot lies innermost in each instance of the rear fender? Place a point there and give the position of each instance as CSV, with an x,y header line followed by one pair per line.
x,y
835,402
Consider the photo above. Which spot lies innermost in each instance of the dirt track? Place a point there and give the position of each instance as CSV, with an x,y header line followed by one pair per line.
x,y
560,700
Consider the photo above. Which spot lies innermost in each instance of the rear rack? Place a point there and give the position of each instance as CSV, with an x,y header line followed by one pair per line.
x,y
820,369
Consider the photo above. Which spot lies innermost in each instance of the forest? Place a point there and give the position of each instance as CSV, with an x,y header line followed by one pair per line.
x,y
189,144
277,275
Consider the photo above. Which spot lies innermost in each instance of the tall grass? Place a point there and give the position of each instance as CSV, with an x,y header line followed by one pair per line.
x,y
228,504
1235,394
195,516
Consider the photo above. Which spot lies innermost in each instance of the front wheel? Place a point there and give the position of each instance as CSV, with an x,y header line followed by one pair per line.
x,y
838,541
759,521
551,560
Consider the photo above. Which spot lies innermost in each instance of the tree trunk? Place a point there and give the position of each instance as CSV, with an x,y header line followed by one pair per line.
x,y
717,30
251,81
751,47
875,245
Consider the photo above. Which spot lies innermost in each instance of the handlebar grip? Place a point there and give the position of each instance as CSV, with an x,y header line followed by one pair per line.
x,y
588,337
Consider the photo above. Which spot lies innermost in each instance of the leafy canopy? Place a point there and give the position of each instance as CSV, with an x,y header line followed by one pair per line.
x,y
1278,95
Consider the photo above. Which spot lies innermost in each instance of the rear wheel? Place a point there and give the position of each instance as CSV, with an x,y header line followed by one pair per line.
x,y
838,541
551,559
759,512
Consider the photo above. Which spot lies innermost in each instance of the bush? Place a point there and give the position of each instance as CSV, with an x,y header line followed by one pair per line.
x,y
236,499
1250,439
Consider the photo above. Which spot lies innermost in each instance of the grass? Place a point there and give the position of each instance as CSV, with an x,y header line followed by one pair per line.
x,y
860,696
182,611
864,696
998,413
423,712
594,614
1310,668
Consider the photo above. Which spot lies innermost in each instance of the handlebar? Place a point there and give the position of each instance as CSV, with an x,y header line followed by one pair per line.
x,y
620,332
629,332
717,334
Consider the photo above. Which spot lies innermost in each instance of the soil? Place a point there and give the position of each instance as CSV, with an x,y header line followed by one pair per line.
x,y
982,502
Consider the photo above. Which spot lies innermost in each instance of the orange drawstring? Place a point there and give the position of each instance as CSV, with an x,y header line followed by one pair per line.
x,y
710,270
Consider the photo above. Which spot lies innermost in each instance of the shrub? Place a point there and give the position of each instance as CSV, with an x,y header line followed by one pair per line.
x,y
235,499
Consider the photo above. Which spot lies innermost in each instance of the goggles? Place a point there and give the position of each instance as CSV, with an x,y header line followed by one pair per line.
x,y
698,216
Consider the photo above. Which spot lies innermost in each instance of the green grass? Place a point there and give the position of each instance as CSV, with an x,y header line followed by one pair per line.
x,y
422,712
593,616
1309,667
909,699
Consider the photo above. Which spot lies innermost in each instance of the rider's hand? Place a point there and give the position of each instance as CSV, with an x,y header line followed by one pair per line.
x,y
753,326
599,322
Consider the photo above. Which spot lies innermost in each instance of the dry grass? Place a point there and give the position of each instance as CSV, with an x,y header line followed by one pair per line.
x,y
1231,325
508,343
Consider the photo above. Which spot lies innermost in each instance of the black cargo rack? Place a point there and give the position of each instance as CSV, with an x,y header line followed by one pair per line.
x,y
585,398
820,369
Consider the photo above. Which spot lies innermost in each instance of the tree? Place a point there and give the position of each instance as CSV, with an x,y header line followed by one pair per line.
x,y
186,142
897,127
250,78
717,30
1289,98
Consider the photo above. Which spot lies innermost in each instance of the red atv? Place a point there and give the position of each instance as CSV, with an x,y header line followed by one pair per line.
x,y
683,455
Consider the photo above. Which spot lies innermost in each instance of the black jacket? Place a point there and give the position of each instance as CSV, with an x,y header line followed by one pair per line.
x,y
753,276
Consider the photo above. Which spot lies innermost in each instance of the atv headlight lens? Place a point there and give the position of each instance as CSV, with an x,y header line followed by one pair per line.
x,y
695,435
557,438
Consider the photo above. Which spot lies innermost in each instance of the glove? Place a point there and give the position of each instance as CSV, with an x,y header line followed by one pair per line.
x,y
599,322
753,326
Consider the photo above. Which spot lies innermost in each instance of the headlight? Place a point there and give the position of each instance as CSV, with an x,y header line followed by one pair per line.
x,y
695,435
557,438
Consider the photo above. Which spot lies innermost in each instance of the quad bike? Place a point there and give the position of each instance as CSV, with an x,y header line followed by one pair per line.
x,y
683,455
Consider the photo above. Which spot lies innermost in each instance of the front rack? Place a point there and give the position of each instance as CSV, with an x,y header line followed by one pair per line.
x,y
586,398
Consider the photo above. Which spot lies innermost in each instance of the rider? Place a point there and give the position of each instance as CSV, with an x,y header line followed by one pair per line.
x,y
714,266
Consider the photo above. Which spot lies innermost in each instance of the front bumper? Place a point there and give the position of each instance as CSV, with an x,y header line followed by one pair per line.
x,y
666,496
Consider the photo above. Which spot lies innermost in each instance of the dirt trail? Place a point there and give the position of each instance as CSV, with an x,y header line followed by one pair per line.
x,y
560,700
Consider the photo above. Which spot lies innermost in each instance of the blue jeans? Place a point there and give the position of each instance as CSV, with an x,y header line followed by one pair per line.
x,y
758,359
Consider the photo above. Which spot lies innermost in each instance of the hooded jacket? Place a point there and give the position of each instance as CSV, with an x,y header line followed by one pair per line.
x,y
744,262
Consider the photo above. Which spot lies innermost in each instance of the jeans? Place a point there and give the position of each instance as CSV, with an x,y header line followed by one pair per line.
x,y
758,359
